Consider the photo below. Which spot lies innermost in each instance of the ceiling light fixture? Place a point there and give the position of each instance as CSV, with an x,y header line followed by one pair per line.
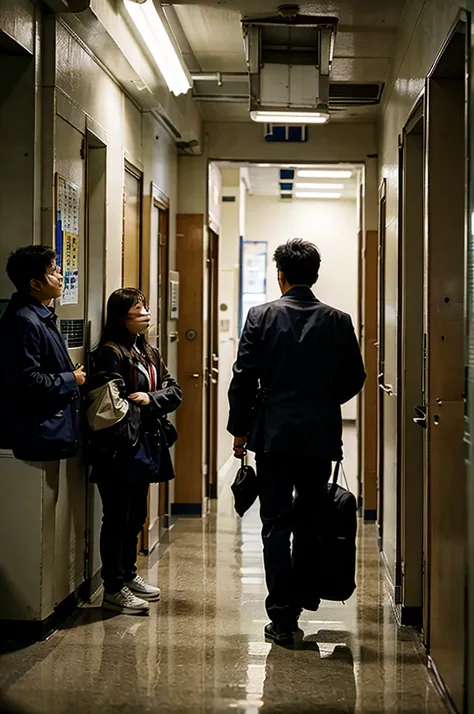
x,y
289,117
325,174
152,29
321,186
316,194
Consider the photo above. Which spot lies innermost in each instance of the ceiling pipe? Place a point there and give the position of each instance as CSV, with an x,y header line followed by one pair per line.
x,y
220,77
223,98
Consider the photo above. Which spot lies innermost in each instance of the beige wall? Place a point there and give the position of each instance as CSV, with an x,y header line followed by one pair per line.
x,y
333,142
76,94
332,226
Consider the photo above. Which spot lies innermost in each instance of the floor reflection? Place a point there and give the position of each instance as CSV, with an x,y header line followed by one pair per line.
x,y
202,649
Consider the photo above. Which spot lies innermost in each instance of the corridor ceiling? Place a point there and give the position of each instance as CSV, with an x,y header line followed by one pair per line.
x,y
364,46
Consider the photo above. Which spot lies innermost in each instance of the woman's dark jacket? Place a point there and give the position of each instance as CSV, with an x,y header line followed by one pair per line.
x,y
151,458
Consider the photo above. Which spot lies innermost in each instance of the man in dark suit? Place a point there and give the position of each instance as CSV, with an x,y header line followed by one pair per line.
x,y
298,362
39,416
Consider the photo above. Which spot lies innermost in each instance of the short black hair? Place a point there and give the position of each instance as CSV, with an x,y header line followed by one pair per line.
x,y
299,261
29,263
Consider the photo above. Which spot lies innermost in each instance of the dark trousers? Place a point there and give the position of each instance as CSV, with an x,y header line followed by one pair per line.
x,y
125,506
291,493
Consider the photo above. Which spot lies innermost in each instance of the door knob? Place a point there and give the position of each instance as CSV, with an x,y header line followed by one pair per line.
x,y
195,376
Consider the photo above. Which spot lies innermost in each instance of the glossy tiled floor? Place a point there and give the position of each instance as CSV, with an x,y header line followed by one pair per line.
x,y
202,649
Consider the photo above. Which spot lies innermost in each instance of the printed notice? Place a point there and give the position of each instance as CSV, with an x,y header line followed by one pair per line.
x,y
68,205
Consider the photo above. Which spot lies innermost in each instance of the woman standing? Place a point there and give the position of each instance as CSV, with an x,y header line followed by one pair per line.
x,y
123,483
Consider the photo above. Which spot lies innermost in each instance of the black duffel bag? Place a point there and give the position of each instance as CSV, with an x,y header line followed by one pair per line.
x,y
335,545
326,547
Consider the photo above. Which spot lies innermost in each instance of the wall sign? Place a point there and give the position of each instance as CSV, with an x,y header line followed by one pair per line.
x,y
73,333
68,206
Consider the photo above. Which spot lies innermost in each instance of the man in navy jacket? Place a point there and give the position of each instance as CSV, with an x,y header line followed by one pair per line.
x,y
298,361
40,418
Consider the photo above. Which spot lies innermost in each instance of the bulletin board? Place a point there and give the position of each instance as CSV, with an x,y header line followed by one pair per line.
x,y
68,205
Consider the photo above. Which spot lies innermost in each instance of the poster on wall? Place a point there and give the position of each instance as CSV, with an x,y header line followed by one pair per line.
x,y
68,204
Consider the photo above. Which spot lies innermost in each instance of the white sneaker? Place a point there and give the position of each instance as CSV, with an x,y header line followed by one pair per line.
x,y
143,590
125,602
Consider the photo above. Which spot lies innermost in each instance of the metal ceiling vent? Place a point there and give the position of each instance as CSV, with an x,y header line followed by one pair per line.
x,y
289,58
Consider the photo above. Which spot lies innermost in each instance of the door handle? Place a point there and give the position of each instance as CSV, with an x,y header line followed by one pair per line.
x,y
195,376
387,388
420,419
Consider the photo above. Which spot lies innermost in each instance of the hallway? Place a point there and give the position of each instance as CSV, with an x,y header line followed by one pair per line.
x,y
202,649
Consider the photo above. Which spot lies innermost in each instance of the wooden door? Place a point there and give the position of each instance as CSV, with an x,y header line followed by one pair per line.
x,y
369,397
190,452
131,238
163,313
445,259
381,358
213,369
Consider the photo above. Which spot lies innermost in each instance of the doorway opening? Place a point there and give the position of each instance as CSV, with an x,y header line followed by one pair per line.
x,y
262,206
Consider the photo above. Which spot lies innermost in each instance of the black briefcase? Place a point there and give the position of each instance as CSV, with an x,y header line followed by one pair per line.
x,y
244,488
334,558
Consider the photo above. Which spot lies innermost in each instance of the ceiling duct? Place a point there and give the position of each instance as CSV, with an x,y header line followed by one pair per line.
x,y
289,59
64,6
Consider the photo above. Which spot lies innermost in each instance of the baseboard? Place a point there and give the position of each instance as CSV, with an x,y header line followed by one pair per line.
x,y
370,515
30,631
187,509
441,687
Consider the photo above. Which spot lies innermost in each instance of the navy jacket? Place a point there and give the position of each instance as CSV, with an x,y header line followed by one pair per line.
x,y
298,361
40,417
151,460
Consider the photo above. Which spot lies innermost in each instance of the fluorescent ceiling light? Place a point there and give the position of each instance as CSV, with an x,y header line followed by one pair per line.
x,y
152,29
281,117
325,173
319,186
316,194
264,166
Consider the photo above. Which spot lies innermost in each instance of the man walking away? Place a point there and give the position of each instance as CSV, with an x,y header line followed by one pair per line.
x,y
298,361
40,410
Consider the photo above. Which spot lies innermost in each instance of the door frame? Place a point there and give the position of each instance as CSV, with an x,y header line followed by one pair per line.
x,y
92,499
212,396
382,200
407,523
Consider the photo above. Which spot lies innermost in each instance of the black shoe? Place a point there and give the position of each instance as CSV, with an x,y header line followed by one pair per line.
x,y
280,634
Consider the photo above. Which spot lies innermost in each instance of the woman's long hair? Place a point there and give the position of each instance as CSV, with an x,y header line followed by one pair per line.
x,y
118,306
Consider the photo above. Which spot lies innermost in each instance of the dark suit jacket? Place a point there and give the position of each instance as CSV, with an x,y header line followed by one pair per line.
x,y
39,414
298,361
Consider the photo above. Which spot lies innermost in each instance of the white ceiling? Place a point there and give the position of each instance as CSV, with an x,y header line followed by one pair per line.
x,y
265,180
364,43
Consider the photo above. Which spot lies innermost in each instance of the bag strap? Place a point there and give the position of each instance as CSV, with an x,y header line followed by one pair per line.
x,y
339,467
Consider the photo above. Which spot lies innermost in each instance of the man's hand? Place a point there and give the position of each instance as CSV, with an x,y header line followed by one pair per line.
x,y
80,376
240,443
140,398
